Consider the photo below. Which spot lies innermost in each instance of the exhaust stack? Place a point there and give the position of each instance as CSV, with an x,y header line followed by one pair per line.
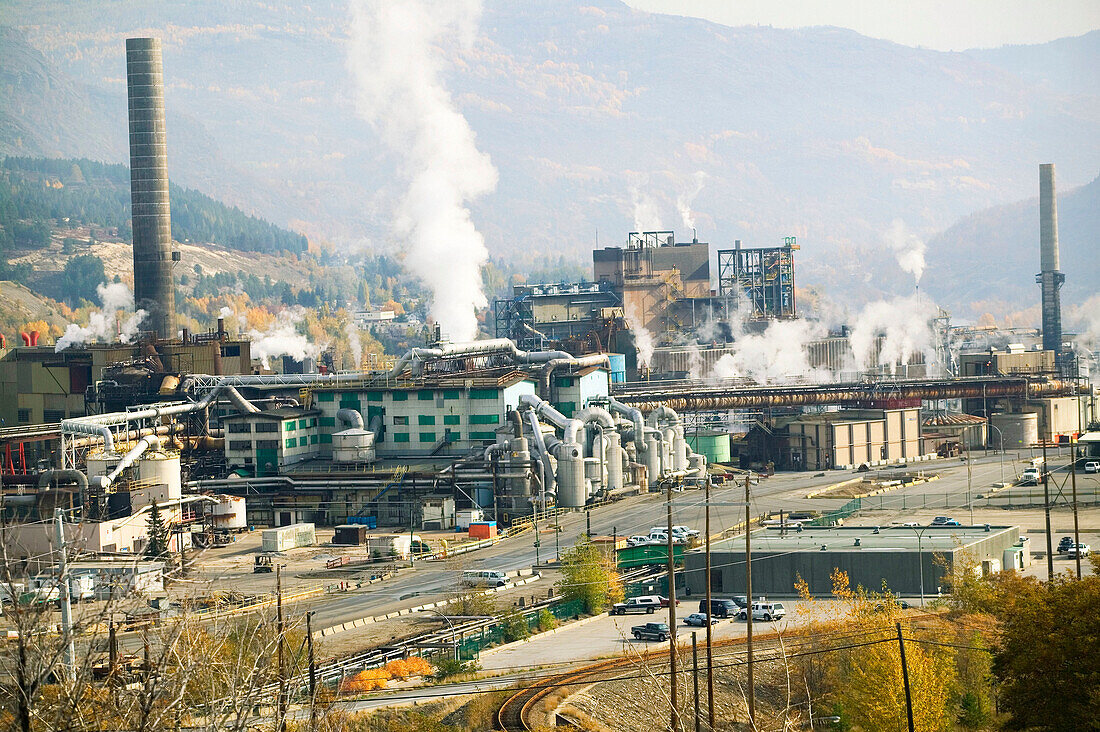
x,y
152,225
1050,278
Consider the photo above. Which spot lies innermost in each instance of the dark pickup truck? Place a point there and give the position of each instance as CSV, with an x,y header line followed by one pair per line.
x,y
651,631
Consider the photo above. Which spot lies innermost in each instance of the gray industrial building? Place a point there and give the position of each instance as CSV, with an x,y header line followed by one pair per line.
x,y
870,555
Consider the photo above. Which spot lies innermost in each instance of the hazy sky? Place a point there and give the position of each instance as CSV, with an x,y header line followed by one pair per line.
x,y
947,25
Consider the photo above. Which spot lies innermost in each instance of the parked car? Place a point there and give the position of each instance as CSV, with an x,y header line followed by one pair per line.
x,y
637,541
1092,466
944,521
664,600
684,531
700,619
651,631
720,608
1064,544
899,603
1078,550
764,611
645,604
1031,476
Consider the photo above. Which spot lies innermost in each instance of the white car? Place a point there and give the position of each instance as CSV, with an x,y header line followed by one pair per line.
x,y
1078,550
1092,466
768,611
684,531
637,540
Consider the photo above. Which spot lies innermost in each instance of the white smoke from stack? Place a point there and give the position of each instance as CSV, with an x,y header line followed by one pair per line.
x,y
393,59
283,339
103,325
908,249
354,342
687,196
779,354
904,323
647,212
644,343
1084,320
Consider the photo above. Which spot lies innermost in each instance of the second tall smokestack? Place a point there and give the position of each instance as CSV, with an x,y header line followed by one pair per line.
x,y
152,221
1050,277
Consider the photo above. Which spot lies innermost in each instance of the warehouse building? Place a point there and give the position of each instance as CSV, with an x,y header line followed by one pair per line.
x,y
261,443
852,437
897,556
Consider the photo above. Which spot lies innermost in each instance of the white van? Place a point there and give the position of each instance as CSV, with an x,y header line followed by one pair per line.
x,y
484,578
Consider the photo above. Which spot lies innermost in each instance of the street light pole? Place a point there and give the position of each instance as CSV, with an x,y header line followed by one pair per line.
x,y
1001,455
920,560
454,635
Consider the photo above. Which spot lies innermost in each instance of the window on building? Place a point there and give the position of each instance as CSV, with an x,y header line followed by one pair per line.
x,y
240,428
425,395
484,419
245,445
451,394
374,396
326,439
233,351
303,424
400,396
326,396
24,416
483,435
267,444
483,393
53,415
267,427
401,419
427,437
450,419
313,439
290,426
400,436
292,442
328,421
425,419
565,382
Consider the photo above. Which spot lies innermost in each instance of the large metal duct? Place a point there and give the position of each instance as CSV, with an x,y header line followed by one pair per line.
x,y
1050,278
152,226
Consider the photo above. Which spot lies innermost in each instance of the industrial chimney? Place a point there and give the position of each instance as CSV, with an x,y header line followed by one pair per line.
x,y
153,288
1049,277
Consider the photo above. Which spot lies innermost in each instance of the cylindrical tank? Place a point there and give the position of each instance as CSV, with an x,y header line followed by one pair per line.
x,y
593,476
229,513
161,468
519,461
100,463
571,493
618,367
1017,429
653,458
679,450
667,460
353,446
697,464
613,455
714,444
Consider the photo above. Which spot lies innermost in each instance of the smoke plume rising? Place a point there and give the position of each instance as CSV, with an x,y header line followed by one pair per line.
x,y
283,339
103,324
908,249
904,324
687,196
777,355
397,69
643,339
647,213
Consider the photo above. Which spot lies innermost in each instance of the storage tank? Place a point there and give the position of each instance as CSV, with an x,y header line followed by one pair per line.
x,y
353,446
618,367
161,468
653,458
519,463
613,454
679,451
571,493
593,476
229,513
1017,429
712,444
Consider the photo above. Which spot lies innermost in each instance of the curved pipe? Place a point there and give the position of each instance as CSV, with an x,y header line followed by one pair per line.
x,y
571,428
635,415
547,471
517,422
489,347
44,479
103,482
666,413
351,418
376,427
596,359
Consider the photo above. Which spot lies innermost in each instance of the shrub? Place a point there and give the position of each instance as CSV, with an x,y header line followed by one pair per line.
x,y
547,621
404,668
366,680
445,667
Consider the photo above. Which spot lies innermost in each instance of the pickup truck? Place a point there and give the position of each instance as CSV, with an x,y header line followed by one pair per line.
x,y
651,631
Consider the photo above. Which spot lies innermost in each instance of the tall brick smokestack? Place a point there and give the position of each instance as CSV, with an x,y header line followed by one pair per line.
x,y
153,288
1050,278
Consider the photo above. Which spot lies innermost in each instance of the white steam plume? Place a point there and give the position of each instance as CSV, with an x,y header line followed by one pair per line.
x,y
644,343
283,339
396,66
354,342
687,196
777,355
1085,320
102,324
647,214
904,323
908,249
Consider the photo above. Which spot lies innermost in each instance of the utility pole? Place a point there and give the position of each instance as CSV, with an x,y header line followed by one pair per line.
x,y
905,679
112,650
312,673
66,603
1046,509
1076,525
280,723
588,518
748,598
675,715
710,660
695,677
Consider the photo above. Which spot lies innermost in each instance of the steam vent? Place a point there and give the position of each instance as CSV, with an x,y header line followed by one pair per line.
x,y
153,290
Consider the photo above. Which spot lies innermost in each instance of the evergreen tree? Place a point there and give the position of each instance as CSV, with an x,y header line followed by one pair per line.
x,y
158,534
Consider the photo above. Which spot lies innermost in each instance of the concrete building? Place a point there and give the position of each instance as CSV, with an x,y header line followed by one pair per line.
x,y
871,556
262,443
851,437
1011,362
537,315
966,430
